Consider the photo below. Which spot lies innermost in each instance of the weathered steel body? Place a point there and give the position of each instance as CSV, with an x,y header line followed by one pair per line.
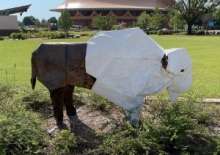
x,y
60,65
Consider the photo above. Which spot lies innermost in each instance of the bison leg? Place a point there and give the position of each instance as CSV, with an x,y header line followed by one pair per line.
x,y
57,101
68,101
70,109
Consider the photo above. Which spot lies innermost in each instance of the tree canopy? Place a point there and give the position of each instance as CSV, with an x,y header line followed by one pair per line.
x,y
104,22
30,21
52,20
192,10
65,21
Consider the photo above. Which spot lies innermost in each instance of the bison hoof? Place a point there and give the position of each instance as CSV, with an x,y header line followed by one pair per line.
x,y
62,126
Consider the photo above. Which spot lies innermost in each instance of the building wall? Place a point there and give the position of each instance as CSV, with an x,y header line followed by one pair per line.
x,y
8,24
85,18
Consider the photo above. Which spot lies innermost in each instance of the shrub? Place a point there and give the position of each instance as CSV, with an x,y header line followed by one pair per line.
x,y
182,128
64,142
200,32
164,32
43,34
20,130
100,103
1,38
19,36
119,26
21,134
38,101
143,21
91,99
127,141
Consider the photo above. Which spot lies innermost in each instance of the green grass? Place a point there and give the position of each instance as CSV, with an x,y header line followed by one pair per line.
x,y
205,52
15,64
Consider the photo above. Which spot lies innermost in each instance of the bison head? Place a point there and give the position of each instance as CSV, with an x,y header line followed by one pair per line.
x,y
180,69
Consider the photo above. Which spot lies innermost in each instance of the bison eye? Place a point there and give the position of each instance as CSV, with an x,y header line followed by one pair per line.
x,y
182,70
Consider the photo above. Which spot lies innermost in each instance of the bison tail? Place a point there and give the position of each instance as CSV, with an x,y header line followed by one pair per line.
x,y
34,73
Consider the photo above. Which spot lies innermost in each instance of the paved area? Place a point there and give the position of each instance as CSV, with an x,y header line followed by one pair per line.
x,y
211,100
205,100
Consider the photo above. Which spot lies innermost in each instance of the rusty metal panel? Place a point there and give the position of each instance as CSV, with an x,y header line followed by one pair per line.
x,y
63,64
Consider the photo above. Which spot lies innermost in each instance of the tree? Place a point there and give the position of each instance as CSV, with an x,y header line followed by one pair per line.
x,y
104,22
65,22
158,20
52,20
217,17
53,24
30,21
191,10
154,21
143,21
176,21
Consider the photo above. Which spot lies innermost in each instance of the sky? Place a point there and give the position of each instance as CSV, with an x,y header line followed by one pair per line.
x,y
39,9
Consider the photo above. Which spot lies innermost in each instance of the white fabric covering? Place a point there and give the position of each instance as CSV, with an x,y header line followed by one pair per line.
x,y
127,66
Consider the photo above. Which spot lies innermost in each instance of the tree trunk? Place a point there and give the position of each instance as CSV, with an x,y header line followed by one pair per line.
x,y
66,34
189,30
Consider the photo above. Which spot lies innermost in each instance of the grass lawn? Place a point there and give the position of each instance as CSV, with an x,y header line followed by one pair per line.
x,y
205,52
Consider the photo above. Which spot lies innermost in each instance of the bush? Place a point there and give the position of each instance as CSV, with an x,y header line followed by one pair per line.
x,y
119,26
43,34
38,101
96,102
64,142
143,21
182,128
19,36
164,32
200,32
21,134
56,35
1,38
20,130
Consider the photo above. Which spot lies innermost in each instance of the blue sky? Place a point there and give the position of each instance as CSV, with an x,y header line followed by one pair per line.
x,y
39,8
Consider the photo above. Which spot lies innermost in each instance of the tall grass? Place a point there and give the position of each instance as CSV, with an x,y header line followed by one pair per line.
x,y
20,130
181,128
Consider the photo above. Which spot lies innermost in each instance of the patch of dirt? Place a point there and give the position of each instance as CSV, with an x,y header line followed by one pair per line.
x,y
90,126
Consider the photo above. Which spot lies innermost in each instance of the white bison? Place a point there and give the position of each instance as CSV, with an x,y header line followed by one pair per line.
x,y
124,66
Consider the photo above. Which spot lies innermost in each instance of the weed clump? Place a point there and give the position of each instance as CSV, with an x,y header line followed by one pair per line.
x,y
64,142
20,130
94,101
181,128
38,101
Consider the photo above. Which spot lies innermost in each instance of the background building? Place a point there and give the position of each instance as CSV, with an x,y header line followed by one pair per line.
x,y
8,22
127,11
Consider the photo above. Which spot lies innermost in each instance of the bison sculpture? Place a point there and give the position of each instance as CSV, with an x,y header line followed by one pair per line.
x,y
123,65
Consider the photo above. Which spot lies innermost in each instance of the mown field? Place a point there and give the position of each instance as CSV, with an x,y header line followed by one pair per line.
x,y
205,52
